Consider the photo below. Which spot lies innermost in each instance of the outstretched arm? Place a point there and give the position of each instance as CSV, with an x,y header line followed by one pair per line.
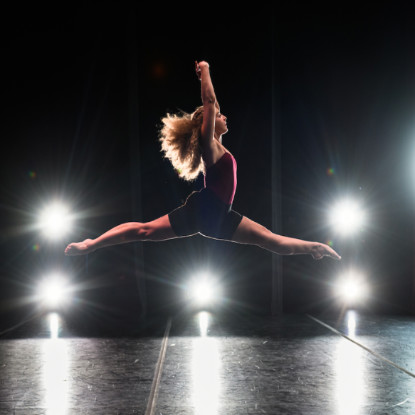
x,y
203,73
209,103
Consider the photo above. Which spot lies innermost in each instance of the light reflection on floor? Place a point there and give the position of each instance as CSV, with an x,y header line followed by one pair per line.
x,y
351,321
206,368
56,368
350,372
289,365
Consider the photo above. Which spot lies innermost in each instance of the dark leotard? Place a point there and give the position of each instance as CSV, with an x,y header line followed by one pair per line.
x,y
209,210
221,178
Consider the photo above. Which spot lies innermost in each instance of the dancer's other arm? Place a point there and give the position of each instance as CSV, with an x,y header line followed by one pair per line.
x,y
210,107
208,100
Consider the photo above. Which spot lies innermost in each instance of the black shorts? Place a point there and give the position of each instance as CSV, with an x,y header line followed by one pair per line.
x,y
204,213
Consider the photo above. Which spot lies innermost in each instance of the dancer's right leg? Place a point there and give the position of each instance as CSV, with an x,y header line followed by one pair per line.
x,y
156,230
250,232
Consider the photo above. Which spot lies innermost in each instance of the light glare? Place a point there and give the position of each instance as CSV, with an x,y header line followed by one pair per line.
x,y
203,290
55,220
351,287
347,217
54,291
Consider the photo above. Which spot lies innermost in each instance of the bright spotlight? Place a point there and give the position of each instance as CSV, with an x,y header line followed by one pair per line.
x,y
351,287
54,291
203,290
350,290
347,217
55,220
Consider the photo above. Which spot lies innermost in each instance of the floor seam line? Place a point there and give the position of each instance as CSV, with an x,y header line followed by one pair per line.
x,y
379,356
152,400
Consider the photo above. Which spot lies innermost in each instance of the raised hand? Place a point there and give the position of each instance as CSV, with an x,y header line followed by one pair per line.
x,y
199,66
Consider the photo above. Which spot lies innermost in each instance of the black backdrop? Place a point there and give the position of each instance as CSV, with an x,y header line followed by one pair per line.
x,y
344,84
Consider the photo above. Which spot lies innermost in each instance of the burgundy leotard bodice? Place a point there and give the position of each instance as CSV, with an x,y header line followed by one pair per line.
x,y
221,178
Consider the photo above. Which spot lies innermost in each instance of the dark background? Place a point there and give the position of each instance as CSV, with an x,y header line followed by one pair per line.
x,y
76,78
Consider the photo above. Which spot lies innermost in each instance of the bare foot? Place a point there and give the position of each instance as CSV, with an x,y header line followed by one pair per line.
x,y
79,248
321,250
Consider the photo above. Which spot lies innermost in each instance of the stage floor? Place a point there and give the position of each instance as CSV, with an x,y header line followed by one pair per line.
x,y
203,363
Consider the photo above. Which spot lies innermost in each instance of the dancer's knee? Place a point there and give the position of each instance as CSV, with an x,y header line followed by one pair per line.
x,y
156,230
250,232
143,231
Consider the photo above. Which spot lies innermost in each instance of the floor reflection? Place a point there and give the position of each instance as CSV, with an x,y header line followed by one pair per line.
x,y
206,370
290,365
351,321
350,370
56,380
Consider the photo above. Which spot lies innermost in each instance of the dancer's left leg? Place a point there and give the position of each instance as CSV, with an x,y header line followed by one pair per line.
x,y
156,230
250,232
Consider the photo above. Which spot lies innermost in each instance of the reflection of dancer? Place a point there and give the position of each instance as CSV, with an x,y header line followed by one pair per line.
x,y
193,144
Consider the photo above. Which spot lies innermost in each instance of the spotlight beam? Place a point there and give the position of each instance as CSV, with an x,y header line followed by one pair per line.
x,y
55,220
54,291
351,287
203,290
347,217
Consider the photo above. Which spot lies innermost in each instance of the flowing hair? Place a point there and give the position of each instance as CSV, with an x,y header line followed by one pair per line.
x,y
179,136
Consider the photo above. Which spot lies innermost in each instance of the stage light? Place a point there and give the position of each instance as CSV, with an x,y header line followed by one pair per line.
x,y
54,291
347,217
351,287
203,290
55,220
350,290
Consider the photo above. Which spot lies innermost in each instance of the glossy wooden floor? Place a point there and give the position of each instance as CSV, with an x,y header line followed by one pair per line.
x,y
202,363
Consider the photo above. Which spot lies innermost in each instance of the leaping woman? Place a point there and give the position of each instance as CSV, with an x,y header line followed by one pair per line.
x,y
193,144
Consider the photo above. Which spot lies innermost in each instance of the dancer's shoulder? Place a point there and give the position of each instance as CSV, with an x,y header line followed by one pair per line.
x,y
212,153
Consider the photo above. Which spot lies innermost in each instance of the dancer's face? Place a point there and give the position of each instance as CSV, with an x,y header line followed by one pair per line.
x,y
221,126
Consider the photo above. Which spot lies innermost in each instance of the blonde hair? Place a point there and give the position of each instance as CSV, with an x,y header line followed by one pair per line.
x,y
179,137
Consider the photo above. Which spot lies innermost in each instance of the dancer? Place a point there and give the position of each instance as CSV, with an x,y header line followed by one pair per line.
x,y
193,144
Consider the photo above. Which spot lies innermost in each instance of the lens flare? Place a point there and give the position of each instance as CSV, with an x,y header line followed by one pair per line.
x,y
352,287
55,221
203,290
53,291
347,217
